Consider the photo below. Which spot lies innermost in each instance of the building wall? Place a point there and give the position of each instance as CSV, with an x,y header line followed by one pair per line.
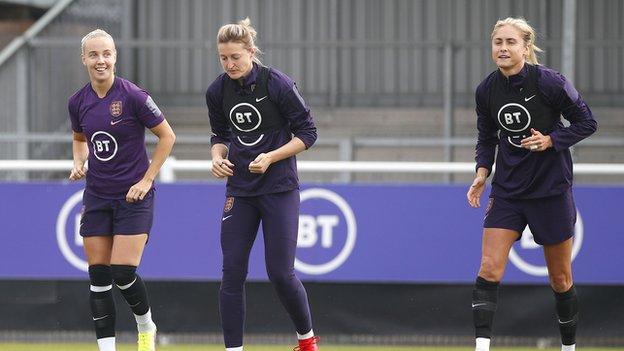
x,y
342,53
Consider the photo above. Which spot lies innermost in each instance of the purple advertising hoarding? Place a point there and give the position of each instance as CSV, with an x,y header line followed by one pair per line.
x,y
347,233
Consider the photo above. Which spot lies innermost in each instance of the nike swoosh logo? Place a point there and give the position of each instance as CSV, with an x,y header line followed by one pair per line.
x,y
226,217
115,122
262,98
529,98
478,304
566,322
98,318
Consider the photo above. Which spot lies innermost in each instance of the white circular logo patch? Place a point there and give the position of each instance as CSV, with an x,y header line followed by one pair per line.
x,y
245,117
327,232
515,119
104,146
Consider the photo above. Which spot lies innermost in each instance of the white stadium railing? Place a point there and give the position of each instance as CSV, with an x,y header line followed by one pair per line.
x,y
167,173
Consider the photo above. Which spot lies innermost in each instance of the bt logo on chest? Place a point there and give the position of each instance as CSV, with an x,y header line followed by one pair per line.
x,y
104,146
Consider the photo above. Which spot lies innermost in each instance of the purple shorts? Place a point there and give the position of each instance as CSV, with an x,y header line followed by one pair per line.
x,y
116,217
551,219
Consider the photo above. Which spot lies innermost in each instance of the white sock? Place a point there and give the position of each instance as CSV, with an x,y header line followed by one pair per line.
x,y
240,348
106,344
568,347
482,344
145,323
306,335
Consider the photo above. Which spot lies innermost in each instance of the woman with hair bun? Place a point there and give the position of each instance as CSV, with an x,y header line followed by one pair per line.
x,y
259,122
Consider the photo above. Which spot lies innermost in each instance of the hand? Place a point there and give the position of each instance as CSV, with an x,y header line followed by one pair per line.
x,y
260,164
537,141
139,190
475,191
78,172
222,167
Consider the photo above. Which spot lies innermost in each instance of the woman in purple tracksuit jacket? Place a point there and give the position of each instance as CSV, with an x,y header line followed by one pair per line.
x,y
260,122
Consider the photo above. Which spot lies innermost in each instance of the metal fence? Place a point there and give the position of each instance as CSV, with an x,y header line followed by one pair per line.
x,y
343,53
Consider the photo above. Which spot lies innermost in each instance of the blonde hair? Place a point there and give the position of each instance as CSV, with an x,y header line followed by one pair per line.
x,y
241,32
527,33
95,34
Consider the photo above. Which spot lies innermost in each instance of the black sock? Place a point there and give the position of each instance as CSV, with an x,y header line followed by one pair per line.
x,y
484,300
567,315
101,301
132,288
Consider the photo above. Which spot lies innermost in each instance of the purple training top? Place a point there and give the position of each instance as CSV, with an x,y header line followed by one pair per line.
x,y
542,95
115,129
260,115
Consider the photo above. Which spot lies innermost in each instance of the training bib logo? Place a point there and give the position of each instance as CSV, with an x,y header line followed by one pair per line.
x,y
527,256
104,146
245,117
327,232
68,232
515,120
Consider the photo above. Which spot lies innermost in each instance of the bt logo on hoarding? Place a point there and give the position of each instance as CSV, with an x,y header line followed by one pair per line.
x,y
531,261
68,232
327,232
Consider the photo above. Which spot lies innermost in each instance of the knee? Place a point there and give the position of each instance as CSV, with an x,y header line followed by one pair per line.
x,y
100,275
560,282
491,269
122,274
280,277
233,280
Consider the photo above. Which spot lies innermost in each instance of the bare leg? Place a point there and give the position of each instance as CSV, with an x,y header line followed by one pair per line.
x,y
495,252
128,249
98,249
559,261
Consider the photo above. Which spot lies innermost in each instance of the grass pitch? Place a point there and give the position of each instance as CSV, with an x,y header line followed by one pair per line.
x,y
327,347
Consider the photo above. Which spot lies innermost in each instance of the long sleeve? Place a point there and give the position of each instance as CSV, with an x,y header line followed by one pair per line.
x,y
221,133
284,92
487,137
562,95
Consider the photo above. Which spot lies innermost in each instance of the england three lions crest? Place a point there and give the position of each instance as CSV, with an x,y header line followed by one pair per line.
x,y
115,109
229,203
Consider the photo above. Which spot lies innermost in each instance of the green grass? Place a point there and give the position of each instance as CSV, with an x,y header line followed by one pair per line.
x,y
128,347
